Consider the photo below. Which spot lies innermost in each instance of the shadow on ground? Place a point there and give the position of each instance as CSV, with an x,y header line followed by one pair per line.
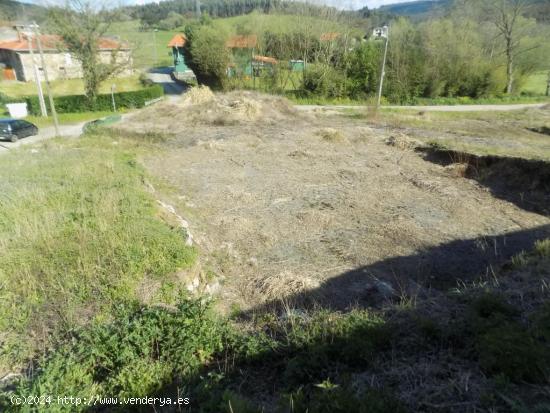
x,y
164,76
524,182
438,268
357,352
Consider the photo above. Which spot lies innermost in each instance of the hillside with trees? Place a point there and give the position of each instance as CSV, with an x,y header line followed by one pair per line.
x,y
13,10
473,51
152,14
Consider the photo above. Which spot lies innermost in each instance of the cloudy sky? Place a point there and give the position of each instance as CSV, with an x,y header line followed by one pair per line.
x,y
344,4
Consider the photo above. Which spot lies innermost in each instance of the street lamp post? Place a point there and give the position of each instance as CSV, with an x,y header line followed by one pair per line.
x,y
382,33
113,88
155,46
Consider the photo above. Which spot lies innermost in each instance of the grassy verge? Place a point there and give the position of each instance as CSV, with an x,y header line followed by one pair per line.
x,y
323,101
67,118
69,87
500,133
78,235
536,84
504,100
145,43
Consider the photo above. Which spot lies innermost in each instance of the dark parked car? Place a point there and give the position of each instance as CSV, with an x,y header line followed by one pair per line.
x,y
13,129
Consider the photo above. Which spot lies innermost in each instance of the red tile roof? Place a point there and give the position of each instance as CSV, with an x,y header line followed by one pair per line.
x,y
179,40
54,42
242,42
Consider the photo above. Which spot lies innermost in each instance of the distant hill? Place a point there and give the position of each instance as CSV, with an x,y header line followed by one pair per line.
x,y
416,8
539,9
152,13
11,10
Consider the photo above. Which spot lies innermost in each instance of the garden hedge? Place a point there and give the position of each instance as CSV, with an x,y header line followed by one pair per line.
x,y
79,103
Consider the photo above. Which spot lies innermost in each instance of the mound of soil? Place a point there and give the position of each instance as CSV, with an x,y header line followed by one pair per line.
x,y
202,107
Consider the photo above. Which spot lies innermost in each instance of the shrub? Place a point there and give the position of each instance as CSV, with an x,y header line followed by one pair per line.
x,y
324,80
134,356
509,349
79,103
503,345
209,58
542,248
490,310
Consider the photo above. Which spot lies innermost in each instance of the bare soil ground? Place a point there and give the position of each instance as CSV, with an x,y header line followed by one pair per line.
x,y
283,203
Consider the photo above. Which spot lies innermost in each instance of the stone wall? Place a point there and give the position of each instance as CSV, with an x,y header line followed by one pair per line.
x,y
61,65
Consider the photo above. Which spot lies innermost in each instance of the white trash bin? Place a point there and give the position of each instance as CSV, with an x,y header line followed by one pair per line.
x,y
17,110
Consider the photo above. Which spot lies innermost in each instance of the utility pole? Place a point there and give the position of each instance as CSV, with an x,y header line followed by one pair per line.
x,y
43,111
155,46
383,32
548,85
48,87
113,87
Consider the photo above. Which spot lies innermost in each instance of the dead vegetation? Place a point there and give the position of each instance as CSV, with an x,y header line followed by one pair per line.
x,y
286,203
202,107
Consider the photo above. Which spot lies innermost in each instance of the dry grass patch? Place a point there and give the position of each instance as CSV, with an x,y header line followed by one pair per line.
x,y
332,135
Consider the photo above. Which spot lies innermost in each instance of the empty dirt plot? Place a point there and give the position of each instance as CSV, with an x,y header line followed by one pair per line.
x,y
323,208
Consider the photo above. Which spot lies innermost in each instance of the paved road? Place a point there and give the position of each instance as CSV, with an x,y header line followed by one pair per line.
x,y
163,76
446,108
68,131
73,130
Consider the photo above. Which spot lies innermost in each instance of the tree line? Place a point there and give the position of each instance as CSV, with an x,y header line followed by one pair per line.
x,y
155,14
476,50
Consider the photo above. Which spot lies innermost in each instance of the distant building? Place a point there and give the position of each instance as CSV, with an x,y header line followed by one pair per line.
x,y
15,57
242,54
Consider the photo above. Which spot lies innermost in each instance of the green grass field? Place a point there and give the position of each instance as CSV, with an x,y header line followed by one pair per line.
x,y
482,133
67,118
145,43
259,23
79,234
536,83
68,87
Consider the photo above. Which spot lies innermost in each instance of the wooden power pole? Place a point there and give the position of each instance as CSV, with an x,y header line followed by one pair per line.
x,y
48,87
43,110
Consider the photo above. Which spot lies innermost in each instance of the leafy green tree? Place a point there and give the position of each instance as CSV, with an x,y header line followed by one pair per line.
x,y
81,25
512,27
207,54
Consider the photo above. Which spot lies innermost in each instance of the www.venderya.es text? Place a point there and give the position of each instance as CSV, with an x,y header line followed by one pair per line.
x,y
46,400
